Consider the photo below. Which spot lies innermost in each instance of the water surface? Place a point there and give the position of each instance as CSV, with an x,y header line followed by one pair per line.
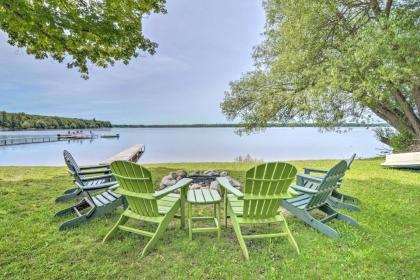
x,y
197,145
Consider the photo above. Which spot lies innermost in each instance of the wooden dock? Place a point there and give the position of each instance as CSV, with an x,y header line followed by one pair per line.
x,y
44,139
28,140
131,154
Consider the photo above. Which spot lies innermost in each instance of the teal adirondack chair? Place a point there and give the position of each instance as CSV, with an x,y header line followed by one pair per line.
x,y
311,198
144,204
83,175
336,199
92,205
265,188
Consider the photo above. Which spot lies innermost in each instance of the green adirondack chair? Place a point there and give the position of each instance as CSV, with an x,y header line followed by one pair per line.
x,y
144,204
336,199
311,198
265,188
84,176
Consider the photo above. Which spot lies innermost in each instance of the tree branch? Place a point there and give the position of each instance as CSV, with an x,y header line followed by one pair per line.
x,y
390,117
416,95
388,7
408,111
375,7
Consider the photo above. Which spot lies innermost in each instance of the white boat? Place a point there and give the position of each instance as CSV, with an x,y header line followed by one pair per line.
x,y
403,160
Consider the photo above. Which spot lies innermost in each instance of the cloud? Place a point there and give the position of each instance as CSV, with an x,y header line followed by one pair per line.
x,y
201,48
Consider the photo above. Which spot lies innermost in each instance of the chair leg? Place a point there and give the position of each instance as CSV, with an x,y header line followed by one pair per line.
x,y
289,235
73,222
190,221
344,197
182,210
340,216
307,218
71,190
69,210
336,203
65,197
68,195
238,232
161,228
225,209
122,220
219,227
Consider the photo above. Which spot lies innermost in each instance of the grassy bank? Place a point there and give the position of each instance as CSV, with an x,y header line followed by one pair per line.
x,y
385,247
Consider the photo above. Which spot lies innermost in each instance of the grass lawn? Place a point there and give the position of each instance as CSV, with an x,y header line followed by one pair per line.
x,y
387,246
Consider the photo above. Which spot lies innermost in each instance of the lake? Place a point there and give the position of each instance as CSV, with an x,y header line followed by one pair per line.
x,y
197,145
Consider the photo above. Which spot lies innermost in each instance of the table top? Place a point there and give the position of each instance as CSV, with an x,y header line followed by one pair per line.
x,y
203,196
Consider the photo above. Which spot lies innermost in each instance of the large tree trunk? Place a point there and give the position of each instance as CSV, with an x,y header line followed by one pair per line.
x,y
416,95
409,112
392,118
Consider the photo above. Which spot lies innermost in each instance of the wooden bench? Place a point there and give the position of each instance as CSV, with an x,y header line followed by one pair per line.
x,y
131,154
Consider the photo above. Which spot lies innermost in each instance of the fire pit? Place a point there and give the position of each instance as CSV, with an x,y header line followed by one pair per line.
x,y
202,179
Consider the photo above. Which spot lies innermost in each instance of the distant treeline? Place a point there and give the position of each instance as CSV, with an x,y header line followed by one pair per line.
x,y
241,125
25,121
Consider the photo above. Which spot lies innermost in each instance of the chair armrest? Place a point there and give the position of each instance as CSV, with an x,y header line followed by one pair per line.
x,y
310,178
134,194
97,187
180,184
292,192
224,182
97,177
304,190
308,170
85,167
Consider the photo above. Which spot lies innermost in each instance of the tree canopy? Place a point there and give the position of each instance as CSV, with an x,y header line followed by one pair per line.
x,y
331,62
79,32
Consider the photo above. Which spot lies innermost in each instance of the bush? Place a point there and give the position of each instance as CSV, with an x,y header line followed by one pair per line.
x,y
399,141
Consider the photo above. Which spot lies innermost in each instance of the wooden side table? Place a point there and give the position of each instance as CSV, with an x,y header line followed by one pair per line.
x,y
203,197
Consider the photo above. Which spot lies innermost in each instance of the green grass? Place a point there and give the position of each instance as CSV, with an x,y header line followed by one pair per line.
x,y
387,246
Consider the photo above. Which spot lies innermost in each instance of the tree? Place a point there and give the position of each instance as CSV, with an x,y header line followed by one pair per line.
x,y
332,62
86,31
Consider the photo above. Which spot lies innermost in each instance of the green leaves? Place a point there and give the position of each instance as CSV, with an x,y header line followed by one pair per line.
x,y
331,62
99,32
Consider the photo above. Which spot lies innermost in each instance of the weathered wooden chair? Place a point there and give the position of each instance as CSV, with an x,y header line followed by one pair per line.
x,y
103,177
336,199
309,199
265,188
144,204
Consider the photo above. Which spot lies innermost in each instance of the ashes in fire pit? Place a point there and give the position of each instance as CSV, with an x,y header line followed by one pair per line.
x,y
202,179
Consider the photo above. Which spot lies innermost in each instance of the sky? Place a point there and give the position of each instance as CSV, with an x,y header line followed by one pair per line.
x,y
203,45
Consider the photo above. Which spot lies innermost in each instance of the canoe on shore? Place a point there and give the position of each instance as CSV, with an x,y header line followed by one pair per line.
x,y
403,160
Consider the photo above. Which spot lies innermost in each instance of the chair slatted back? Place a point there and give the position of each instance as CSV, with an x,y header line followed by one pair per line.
x,y
265,186
137,179
350,161
71,162
73,167
328,184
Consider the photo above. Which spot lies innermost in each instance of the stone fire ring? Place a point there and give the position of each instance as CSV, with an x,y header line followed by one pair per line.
x,y
202,179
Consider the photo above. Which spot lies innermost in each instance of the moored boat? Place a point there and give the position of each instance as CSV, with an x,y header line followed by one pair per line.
x,y
403,161
110,135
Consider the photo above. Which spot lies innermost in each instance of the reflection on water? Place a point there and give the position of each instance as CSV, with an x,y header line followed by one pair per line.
x,y
197,145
